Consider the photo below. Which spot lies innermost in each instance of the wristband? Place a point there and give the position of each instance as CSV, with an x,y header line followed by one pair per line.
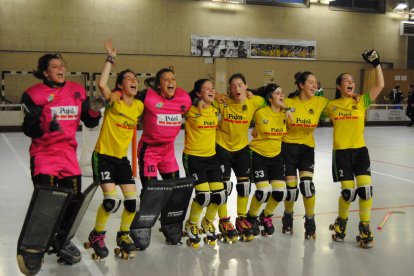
x,y
110,59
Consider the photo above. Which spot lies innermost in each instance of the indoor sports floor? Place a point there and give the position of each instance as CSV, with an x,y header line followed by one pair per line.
x,y
392,163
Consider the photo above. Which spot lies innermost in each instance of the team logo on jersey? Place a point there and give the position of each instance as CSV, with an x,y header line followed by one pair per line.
x,y
354,107
77,95
334,108
51,98
65,112
169,119
311,111
159,105
244,108
265,121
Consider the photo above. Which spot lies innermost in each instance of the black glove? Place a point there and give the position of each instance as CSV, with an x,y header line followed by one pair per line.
x,y
372,57
97,104
54,124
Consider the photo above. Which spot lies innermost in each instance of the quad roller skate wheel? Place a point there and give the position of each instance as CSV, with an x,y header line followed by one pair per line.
x,y
287,231
331,227
310,237
211,242
86,245
192,244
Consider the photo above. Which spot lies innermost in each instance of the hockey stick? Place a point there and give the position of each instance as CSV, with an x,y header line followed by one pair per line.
x,y
386,217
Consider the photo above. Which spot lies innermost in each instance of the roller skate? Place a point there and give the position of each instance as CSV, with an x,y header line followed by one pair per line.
x,y
340,229
207,227
69,254
255,223
29,261
266,221
228,232
96,241
365,238
244,228
192,231
310,228
126,248
287,223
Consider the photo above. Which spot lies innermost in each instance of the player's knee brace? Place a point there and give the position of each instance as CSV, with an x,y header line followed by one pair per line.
x,y
279,194
228,186
111,204
262,194
364,192
130,205
219,197
243,188
307,188
348,194
202,198
292,194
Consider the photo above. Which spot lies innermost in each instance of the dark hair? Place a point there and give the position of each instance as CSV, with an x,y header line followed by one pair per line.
x,y
197,88
43,64
411,86
150,82
266,91
237,76
338,82
159,74
300,78
120,77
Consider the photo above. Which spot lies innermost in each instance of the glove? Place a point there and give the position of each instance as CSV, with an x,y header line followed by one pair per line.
x,y
54,124
372,57
97,104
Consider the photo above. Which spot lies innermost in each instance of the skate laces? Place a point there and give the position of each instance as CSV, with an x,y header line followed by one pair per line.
x,y
341,223
208,226
226,223
98,238
243,223
193,228
364,229
124,238
267,221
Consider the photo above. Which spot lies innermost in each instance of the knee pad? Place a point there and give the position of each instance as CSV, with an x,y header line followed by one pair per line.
x,y
130,205
110,204
228,186
218,197
364,192
348,194
262,194
292,194
202,198
243,188
307,188
279,194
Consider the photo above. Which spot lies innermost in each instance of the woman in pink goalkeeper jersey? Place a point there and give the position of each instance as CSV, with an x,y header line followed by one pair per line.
x,y
164,107
54,109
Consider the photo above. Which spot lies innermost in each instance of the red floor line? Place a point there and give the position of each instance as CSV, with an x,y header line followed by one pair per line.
x,y
356,210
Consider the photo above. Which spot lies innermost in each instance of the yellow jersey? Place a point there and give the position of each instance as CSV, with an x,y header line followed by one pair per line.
x,y
200,131
235,118
306,115
348,118
120,120
270,127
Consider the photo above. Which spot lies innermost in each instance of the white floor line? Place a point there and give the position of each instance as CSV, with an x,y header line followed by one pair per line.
x,y
393,176
90,264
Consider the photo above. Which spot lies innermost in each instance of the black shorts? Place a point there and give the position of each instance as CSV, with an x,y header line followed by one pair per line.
x,y
298,157
348,163
267,168
239,161
202,169
109,169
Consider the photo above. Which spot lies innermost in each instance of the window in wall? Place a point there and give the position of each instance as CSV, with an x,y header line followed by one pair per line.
x,y
368,6
287,3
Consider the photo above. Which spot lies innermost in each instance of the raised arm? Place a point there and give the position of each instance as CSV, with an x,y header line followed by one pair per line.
x,y
372,57
103,80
